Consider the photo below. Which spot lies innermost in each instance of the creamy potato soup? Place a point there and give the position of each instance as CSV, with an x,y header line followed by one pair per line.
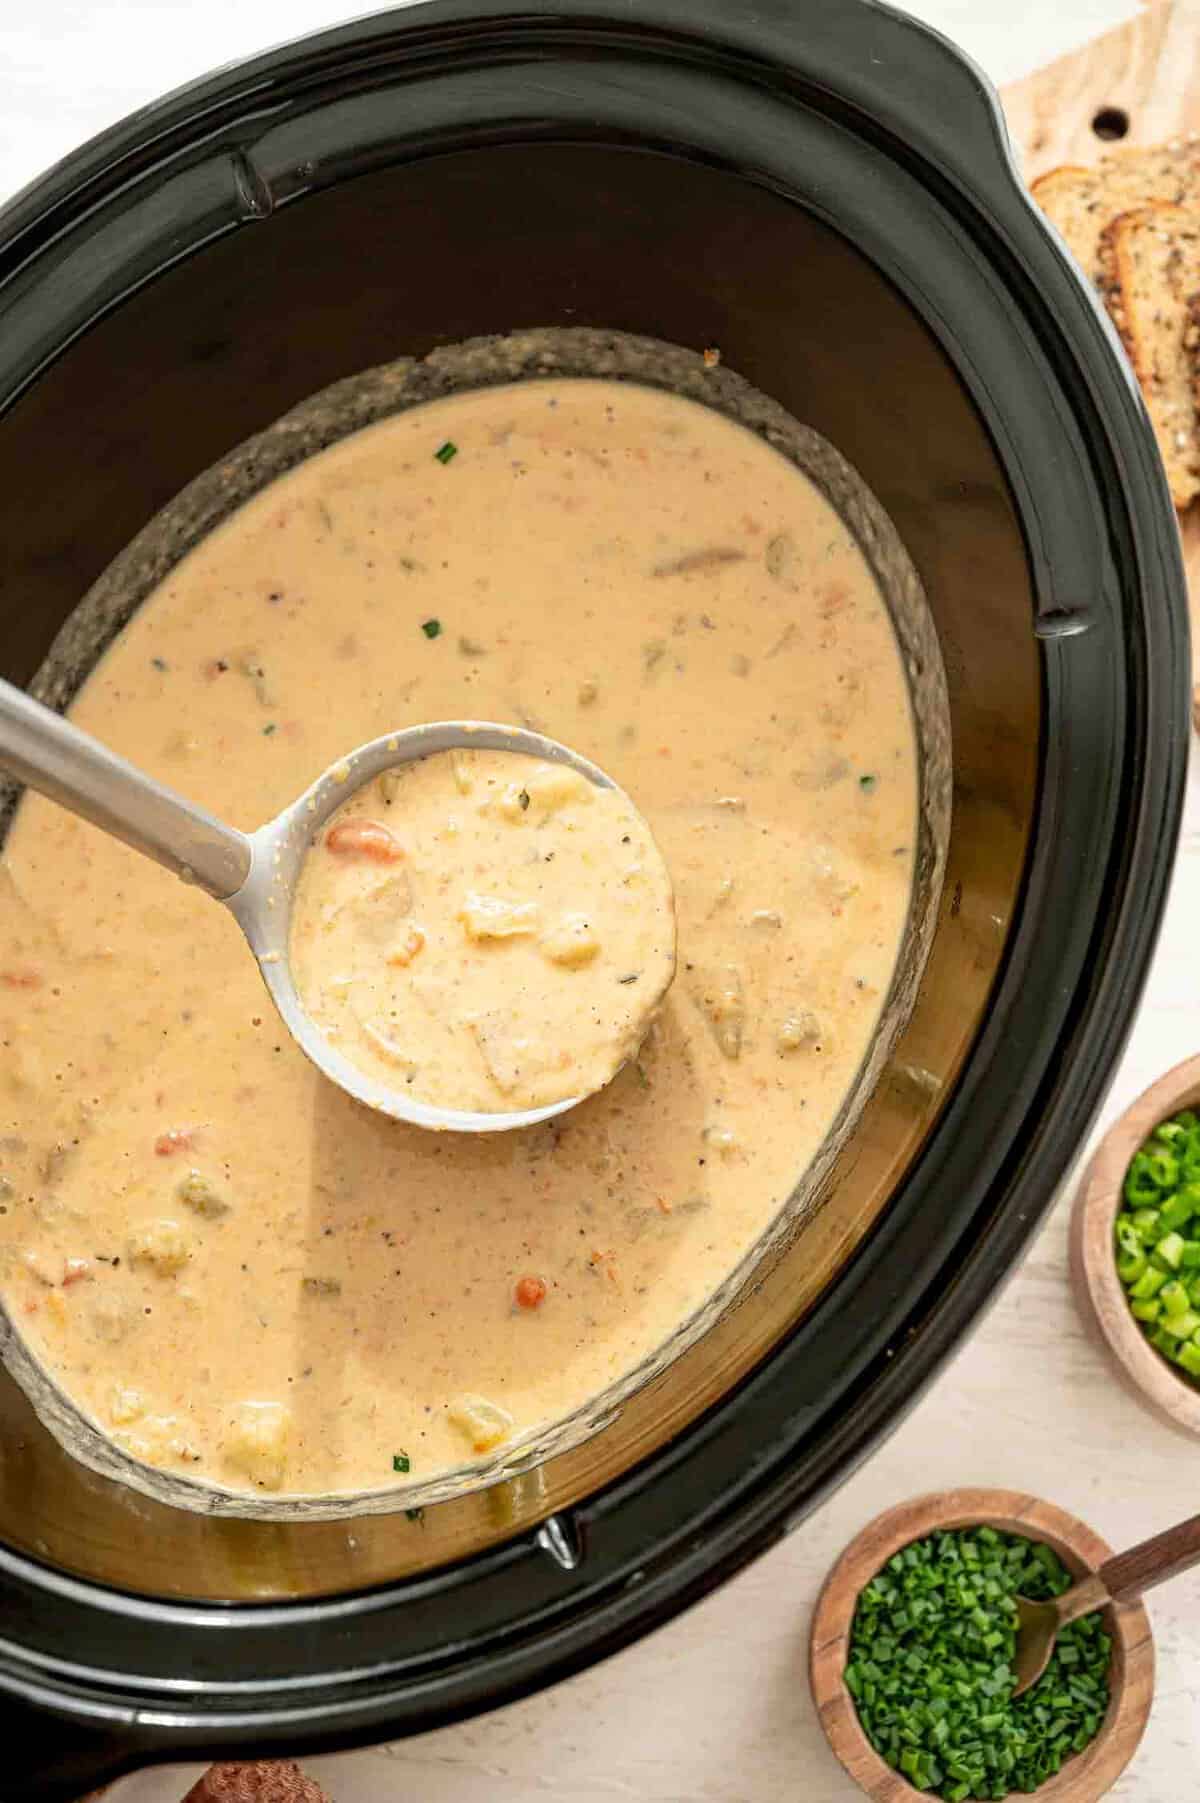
x,y
239,1274
487,929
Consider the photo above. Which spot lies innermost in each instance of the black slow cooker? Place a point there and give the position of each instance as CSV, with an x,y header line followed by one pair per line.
x,y
822,189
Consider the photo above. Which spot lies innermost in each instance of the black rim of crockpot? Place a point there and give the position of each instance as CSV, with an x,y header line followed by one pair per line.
x,y
130,1678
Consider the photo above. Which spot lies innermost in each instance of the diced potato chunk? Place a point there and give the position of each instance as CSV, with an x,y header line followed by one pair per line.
x,y
257,1442
799,1027
570,941
831,880
484,1423
511,1056
158,1439
492,917
125,1405
406,948
203,1195
723,1140
546,789
722,997
378,912
111,1316
163,1245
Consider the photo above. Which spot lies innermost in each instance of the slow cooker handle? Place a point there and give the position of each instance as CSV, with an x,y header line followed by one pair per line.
x,y
48,1760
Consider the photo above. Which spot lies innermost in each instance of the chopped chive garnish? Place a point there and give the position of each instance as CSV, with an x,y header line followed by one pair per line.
x,y
867,783
401,1462
414,1514
930,1667
631,978
160,663
446,451
268,729
431,628
1156,1240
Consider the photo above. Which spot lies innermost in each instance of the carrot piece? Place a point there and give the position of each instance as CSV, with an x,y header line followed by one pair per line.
x,y
364,839
21,979
175,1139
530,1292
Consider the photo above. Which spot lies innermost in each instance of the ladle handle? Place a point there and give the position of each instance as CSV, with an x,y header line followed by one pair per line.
x,y
1127,1575
45,751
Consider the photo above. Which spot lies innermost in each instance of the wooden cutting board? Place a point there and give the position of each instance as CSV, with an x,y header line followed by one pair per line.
x,y
1139,84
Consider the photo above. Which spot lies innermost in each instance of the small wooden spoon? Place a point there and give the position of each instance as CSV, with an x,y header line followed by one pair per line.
x,y
1121,1579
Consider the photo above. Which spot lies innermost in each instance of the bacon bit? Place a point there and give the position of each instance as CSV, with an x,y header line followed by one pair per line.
x,y
364,839
21,979
215,667
530,1292
712,356
175,1139
32,1306
78,1270
663,1206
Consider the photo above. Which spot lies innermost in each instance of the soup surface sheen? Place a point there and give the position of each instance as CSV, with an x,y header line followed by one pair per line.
x,y
488,930
240,1274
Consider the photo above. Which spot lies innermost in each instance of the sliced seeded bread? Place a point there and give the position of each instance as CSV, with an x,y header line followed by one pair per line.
x,y
1081,202
1149,261
259,1781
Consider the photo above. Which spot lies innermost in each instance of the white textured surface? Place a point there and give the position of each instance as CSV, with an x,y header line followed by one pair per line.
x,y
714,1708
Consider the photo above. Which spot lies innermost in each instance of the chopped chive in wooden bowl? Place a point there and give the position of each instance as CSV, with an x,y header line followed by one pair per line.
x,y
1156,1238
930,1667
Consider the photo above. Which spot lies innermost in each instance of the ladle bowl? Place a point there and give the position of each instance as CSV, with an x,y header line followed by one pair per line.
x,y
255,874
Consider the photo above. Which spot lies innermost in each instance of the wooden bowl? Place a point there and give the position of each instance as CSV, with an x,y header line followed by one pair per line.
x,y
1083,1778
1148,1376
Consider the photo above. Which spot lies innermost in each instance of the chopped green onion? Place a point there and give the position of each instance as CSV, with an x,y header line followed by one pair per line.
x,y
1174,1298
431,628
1131,1266
1156,1240
445,452
1180,1208
401,1462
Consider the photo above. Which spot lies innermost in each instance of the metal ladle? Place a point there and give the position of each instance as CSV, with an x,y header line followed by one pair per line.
x,y
255,874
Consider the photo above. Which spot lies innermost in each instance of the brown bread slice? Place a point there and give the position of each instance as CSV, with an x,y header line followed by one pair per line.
x,y
259,1781
1081,202
1150,268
